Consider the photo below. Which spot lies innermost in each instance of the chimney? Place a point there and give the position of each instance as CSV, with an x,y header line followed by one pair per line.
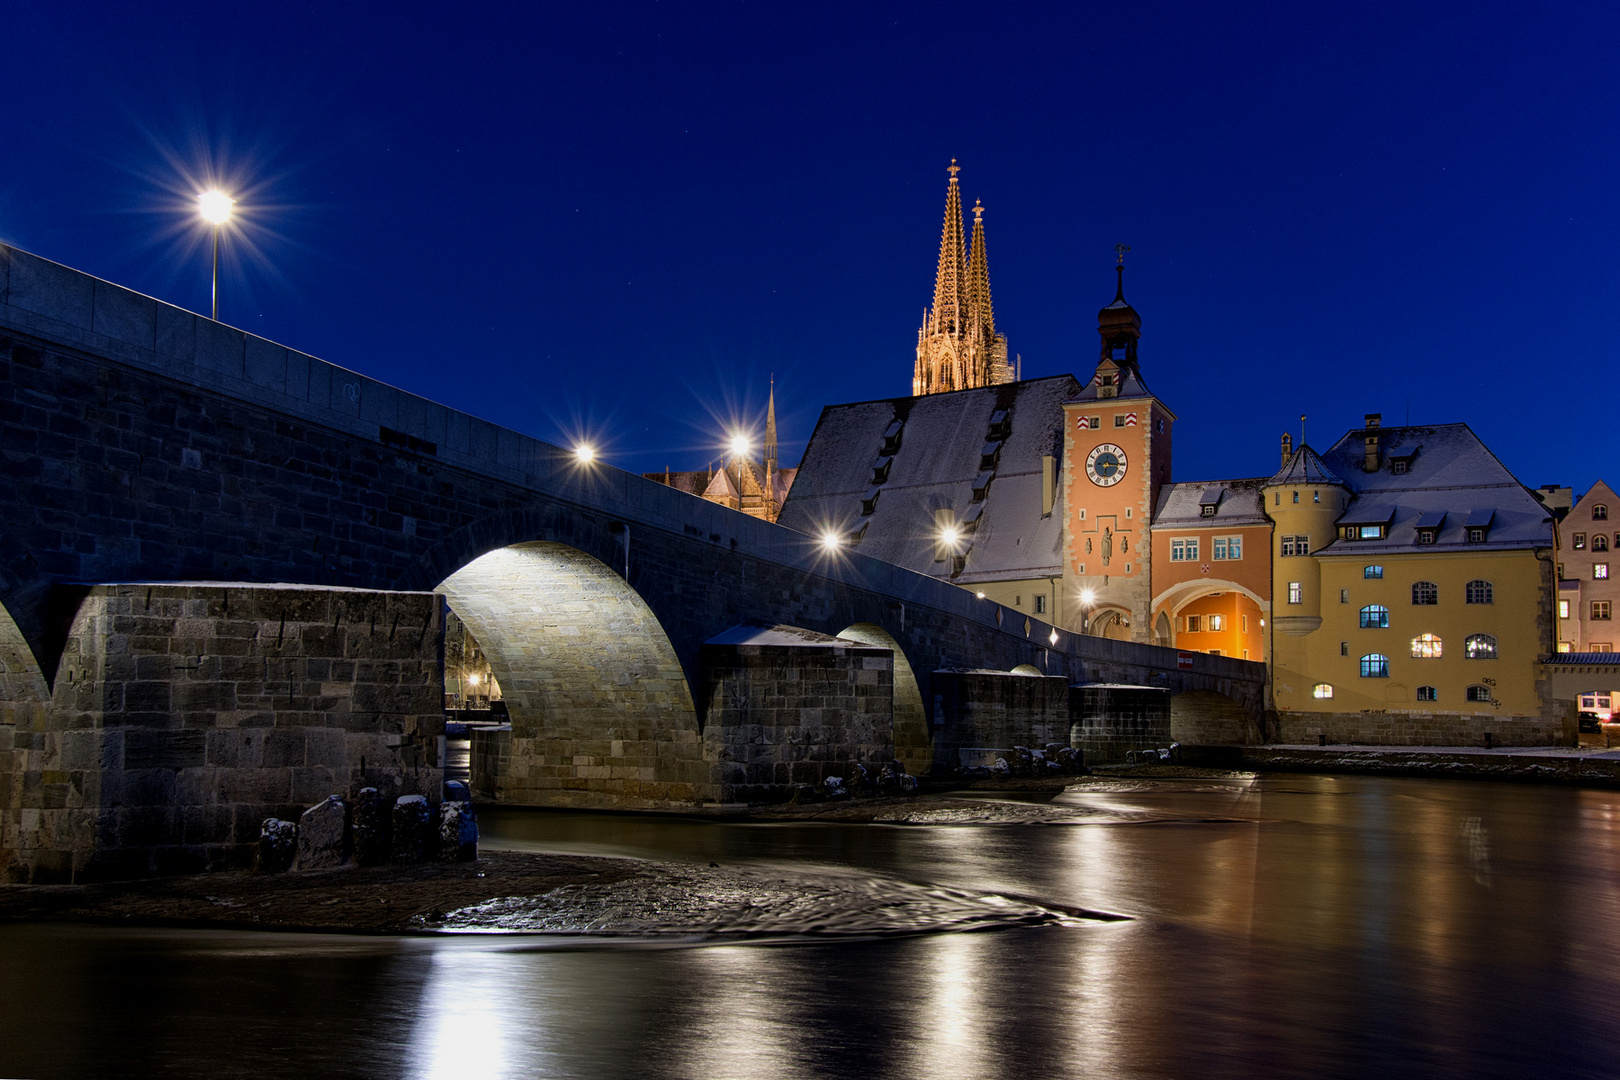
x,y
1287,449
1048,484
1371,462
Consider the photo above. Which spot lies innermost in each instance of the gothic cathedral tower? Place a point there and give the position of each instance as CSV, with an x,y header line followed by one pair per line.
x,y
957,346
1116,453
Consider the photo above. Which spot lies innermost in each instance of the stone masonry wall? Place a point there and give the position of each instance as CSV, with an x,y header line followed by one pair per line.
x,y
1111,721
1423,729
781,715
998,710
183,715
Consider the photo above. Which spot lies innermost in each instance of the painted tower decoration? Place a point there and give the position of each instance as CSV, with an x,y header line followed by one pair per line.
x,y
1116,450
957,345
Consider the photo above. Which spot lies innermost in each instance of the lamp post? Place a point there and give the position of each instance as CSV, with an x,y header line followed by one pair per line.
x,y
215,207
1087,598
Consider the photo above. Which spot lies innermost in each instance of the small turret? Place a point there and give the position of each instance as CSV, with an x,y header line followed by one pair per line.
x,y
1287,448
1304,500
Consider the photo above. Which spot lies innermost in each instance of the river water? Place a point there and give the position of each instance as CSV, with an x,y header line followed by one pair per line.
x,y
1283,926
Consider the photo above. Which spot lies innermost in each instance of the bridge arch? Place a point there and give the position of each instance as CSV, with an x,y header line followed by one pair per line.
x,y
601,709
913,745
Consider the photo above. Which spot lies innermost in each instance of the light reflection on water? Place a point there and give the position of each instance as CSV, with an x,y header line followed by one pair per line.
x,y
1340,927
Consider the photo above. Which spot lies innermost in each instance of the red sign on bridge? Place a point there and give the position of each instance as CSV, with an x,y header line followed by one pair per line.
x,y
1184,660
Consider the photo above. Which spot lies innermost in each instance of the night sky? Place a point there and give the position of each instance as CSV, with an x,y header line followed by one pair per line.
x,y
619,221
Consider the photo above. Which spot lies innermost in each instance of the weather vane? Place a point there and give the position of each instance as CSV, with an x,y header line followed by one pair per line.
x,y
1120,250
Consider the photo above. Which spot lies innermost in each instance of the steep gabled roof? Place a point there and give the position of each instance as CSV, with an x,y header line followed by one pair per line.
x,y
944,441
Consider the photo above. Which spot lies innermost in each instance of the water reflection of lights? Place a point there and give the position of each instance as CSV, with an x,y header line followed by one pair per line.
x,y
467,1017
951,1022
744,1023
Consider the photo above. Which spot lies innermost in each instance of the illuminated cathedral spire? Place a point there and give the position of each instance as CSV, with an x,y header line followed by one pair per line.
x,y
957,344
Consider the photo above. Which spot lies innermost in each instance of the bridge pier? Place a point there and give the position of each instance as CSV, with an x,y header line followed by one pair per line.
x,y
182,716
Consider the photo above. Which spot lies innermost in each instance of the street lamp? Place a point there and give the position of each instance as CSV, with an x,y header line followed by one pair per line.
x,y
584,453
1087,598
739,445
215,207
831,541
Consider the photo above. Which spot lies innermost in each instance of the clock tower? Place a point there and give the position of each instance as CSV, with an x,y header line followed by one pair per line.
x,y
1116,453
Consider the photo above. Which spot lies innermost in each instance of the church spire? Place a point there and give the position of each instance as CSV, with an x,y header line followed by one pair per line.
x,y
770,431
950,314
957,346
980,310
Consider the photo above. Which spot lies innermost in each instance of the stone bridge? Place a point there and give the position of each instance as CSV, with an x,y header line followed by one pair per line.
x,y
163,471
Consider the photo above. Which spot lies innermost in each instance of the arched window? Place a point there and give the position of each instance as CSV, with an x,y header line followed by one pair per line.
x,y
1478,592
1600,512
1425,592
1375,666
1322,690
1480,647
1375,617
1372,571
1428,693
1600,542
1479,693
1426,647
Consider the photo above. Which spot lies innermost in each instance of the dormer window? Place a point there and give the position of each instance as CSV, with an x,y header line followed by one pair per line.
x,y
1206,511
1427,536
1399,465
1477,529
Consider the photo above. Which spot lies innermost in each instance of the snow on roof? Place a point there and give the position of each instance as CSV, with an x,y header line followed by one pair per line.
x,y
761,634
1306,467
1237,503
1456,475
941,454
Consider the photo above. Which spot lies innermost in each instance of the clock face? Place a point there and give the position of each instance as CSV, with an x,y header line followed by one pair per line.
x,y
1106,465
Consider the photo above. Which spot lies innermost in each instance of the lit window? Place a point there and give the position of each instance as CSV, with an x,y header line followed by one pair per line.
x,y
1217,622
1195,624
1375,617
1428,693
1370,532
1296,545
1600,512
1426,647
1600,571
1296,496
1425,592
1478,592
1372,571
1563,609
1479,693
1480,647
1600,609
1316,496
1600,542
1375,666
1564,646
1580,541
1214,652
1322,690
1184,550
1294,593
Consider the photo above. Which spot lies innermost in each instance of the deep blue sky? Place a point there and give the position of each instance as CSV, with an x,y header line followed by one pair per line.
x,y
623,218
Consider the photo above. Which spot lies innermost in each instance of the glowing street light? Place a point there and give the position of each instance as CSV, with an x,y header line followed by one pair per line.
x,y
215,207
831,541
949,535
740,445
584,453
1088,597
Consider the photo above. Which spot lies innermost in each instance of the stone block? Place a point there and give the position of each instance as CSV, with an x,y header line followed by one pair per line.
x,y
50,289
372,828
278,841
322,833
458,832
412,830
